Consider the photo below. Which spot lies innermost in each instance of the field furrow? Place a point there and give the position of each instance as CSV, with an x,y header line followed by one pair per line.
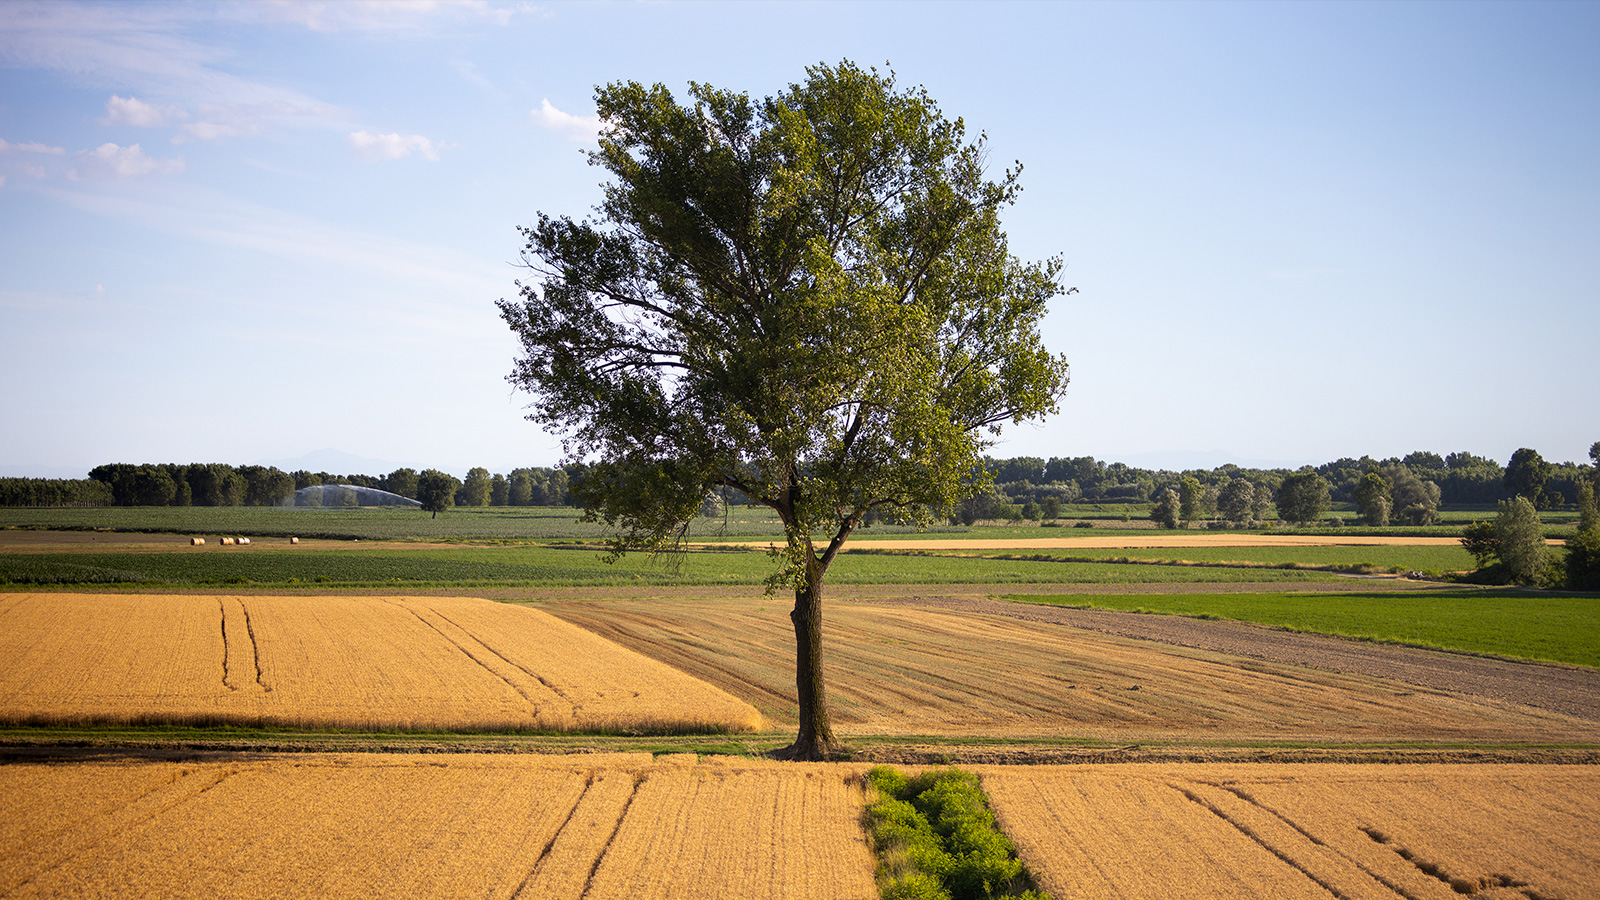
x,y
1431,832
907,670
364,826
350,662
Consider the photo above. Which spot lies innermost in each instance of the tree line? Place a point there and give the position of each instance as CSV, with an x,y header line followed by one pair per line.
x,y
1407,489
221,484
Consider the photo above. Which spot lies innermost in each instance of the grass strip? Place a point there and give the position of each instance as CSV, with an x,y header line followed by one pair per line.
x,y
1533,625
936,839
533,565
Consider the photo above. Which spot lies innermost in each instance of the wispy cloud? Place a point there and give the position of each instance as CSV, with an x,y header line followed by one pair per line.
x,y
389,16
31,147
111,161
579,128
371,147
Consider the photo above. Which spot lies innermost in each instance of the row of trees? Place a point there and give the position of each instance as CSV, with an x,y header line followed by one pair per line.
x,y
54,492
1405,489
219,484
1408,489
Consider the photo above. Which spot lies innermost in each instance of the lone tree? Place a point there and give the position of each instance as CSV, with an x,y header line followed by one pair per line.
x,y
436,491
808,299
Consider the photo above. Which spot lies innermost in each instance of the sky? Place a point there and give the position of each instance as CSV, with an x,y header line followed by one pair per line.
x,y
259,232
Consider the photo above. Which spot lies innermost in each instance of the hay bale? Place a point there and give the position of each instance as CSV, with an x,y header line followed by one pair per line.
x,y
294,540
195,542
242,541
226,540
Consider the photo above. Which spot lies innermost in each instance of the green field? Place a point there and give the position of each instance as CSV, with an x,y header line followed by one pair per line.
x,y
1445,558
1523,624
532,565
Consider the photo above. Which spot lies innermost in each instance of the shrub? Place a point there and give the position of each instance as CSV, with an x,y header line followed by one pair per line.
x,y
937,838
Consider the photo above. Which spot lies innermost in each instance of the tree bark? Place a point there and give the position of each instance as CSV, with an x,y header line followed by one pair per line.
x,y
815,740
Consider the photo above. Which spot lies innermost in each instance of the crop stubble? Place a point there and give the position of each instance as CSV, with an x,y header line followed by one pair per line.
x,y
592,827
352,662
901,670
1420,832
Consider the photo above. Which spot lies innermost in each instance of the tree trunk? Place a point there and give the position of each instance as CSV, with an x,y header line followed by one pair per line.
x,y
815,740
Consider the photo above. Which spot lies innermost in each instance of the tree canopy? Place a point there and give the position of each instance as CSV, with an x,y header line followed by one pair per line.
x,y
807,298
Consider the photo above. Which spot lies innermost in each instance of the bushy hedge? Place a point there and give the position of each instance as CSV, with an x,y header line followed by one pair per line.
x,y
937,840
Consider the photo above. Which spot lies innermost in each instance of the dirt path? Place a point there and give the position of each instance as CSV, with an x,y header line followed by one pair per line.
x,y
1566,689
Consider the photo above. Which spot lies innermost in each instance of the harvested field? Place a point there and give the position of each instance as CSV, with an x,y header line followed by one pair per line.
x,y
328,826
348,662
923,671
1420,832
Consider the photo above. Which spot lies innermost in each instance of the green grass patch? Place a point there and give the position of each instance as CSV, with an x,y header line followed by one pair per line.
x,y
538,565
936,839
1533,625
1432,558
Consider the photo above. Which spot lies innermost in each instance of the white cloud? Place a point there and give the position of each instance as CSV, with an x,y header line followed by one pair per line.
x,y
133,111
389,16
111,161
579,128
371,147
6,147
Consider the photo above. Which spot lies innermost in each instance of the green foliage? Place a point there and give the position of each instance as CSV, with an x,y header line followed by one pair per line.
x,y
1303,497
436,491
1520,538
1482,541
809,299
1167,508
937,838
1236,500
1373,497
1526,475
1581,566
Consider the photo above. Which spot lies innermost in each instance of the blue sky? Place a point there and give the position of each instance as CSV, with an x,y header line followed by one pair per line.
x,y
1300,231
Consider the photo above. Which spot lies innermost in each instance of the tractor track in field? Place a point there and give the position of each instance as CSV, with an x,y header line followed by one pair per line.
x,y
1570,690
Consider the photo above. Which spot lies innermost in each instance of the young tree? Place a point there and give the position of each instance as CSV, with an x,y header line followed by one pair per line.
x,y
1190,498
1304,497
1236,499
1415,501
475,490
807,298
1520,541
1372,496
1167,509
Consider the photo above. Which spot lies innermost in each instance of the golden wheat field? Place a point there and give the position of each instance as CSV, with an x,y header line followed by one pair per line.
x,y
480,826
626,826
1362,832
897,670
352,662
